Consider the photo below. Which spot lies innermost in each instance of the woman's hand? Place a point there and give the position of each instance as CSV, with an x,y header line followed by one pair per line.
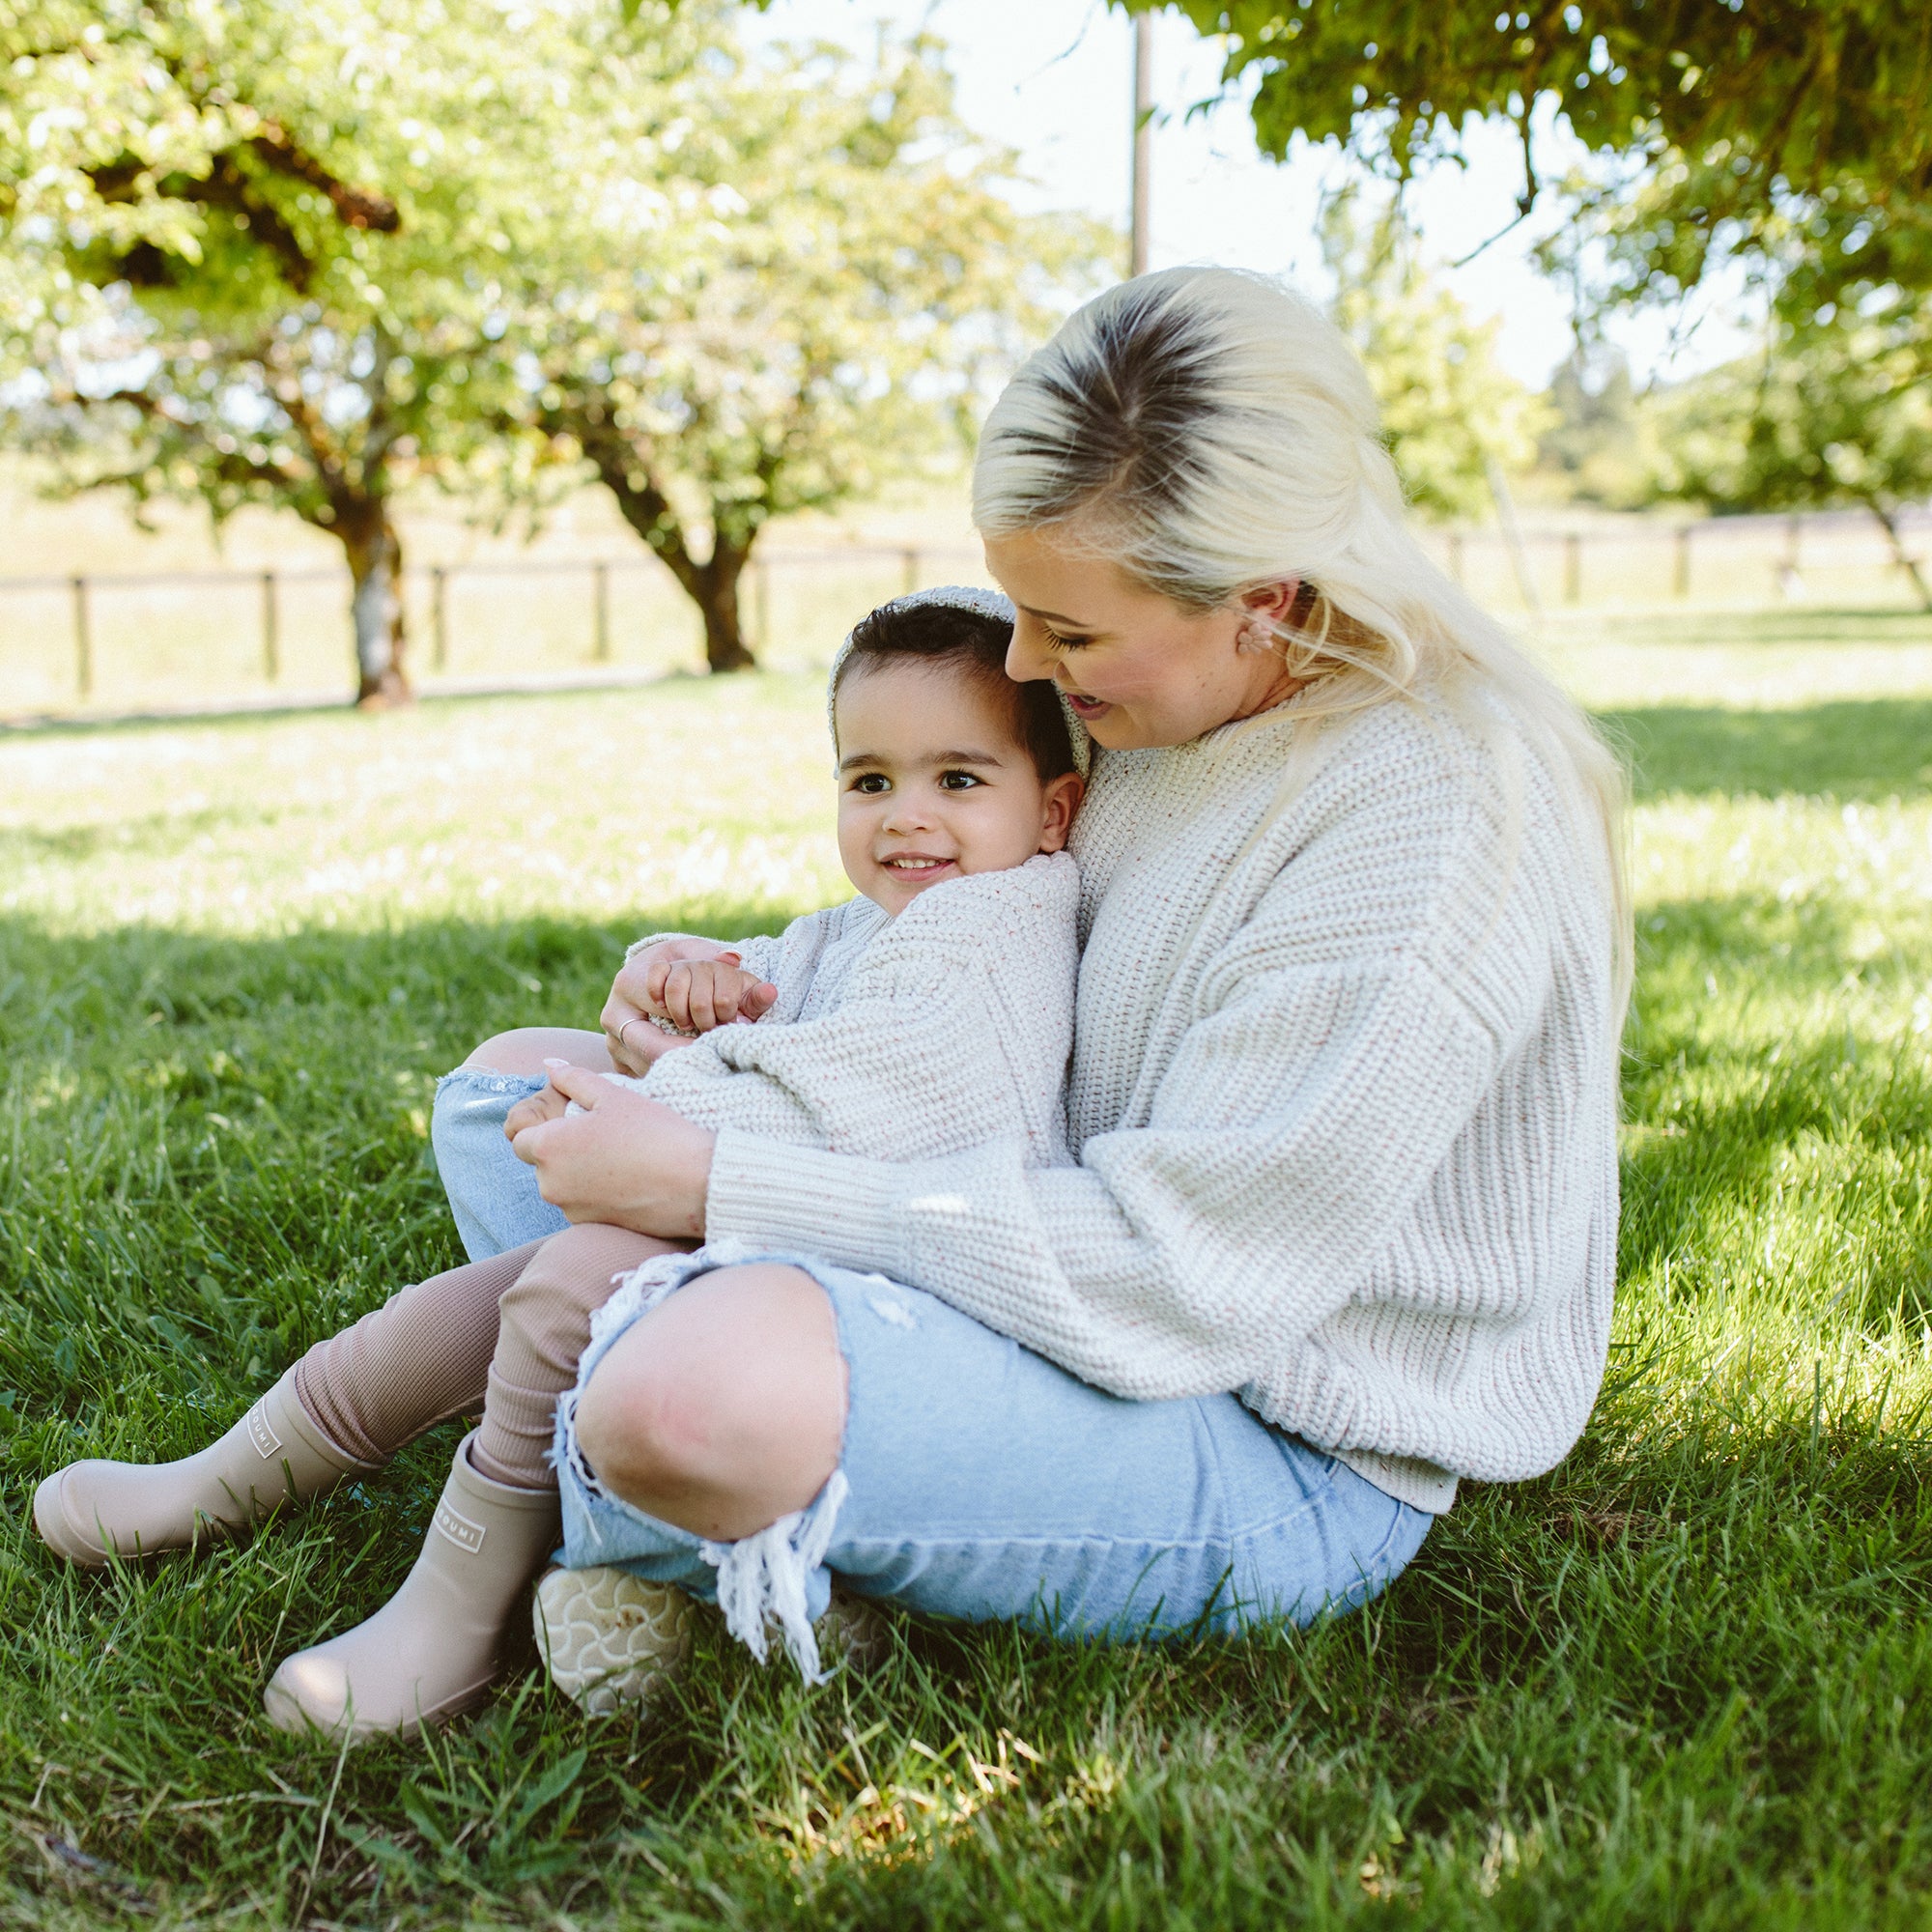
x,y
693,983
624,1160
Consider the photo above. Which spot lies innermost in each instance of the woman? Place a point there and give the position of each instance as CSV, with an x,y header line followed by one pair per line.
x,y
1343,1226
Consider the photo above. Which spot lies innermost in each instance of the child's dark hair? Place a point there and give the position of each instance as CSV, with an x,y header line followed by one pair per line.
x,y
945,633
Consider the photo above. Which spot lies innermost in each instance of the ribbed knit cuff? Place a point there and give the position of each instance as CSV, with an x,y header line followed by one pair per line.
x,y
649,940
801,1200
1407,1479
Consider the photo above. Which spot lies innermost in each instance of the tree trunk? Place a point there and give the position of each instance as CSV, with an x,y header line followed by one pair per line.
x,y
1887,515
713,585
376,604
715,588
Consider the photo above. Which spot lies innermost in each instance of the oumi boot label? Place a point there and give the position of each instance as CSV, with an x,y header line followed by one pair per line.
x,y
460,1530
266,1443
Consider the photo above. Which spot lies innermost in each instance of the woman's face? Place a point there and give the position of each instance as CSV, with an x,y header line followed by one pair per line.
x,y
1137,668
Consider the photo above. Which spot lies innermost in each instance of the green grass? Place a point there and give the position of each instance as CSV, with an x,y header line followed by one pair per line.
x,y
1684,1681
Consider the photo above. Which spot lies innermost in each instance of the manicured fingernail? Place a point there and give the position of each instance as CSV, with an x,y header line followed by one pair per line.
x,y
556,1062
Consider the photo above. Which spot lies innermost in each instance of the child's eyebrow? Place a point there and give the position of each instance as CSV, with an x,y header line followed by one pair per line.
x,y
853,760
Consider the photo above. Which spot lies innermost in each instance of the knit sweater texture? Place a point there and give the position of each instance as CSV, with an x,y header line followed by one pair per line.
x,y
907,1037
1342,1106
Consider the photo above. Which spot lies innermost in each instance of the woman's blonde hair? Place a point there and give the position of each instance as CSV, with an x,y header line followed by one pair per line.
x,y
1211,433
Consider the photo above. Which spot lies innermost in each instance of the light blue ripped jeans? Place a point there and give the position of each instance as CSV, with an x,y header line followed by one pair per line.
x,y
976,1480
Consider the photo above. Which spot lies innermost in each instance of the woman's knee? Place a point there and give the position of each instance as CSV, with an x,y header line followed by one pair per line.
x,y
724,1408
523,1050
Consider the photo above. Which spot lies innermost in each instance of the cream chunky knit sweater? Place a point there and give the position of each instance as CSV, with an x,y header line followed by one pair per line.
x,y
1343,1108
944,1029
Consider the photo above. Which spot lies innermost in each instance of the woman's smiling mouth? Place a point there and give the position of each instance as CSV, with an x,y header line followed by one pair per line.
x,y
1083,706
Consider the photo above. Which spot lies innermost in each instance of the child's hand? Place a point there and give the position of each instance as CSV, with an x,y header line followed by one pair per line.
x,y
697,995
639,993
547,1105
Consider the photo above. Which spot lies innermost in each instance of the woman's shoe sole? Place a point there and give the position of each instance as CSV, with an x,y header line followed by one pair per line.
x,y
609,1639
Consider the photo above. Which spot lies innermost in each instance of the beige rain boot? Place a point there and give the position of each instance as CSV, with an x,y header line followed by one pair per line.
x,y
609,1639
435,1646
276,1454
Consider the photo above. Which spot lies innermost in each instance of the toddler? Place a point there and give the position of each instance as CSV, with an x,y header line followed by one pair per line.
x,y
930,1015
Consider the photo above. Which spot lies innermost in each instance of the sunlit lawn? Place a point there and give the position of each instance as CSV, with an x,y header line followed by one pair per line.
x,y
1685,1681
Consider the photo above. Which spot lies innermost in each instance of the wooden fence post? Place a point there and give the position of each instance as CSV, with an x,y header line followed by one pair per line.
x,y
1681,574
1573,566
439,618
272,639
910,561
600,573
83,643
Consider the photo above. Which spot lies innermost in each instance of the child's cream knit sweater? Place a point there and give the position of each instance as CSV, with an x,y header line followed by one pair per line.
x,y
1343,1108
944,1029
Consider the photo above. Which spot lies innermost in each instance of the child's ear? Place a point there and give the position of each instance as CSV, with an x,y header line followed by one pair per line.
x,y
1060,802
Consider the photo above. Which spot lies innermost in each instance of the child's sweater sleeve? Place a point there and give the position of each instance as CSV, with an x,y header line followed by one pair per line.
x,y
952,1032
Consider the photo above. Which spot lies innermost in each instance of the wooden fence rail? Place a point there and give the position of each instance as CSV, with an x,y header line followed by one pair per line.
x,y
1782,551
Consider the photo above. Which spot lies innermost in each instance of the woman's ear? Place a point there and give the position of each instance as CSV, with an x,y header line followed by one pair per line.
x,y
1061,801
1273,601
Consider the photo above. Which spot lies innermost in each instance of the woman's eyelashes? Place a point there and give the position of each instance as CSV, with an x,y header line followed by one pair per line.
x,y
1064,644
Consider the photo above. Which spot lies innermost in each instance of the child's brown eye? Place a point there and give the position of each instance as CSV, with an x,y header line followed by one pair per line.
x,y
957,781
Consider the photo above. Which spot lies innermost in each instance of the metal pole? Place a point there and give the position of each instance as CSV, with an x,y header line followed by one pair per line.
x,y
601,575
1573,566
1682,586
83,643
272,641
439,617
1143,139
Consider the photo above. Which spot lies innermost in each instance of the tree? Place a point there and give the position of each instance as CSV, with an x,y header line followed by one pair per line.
x,y
833,280
1602,439
265,260
1721,121
1835,412
1453,420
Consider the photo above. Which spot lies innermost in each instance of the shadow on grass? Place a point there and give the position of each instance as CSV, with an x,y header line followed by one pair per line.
x,y
1855,749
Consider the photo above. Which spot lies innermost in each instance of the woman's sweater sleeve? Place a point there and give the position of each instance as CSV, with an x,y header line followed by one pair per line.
x,y
1312,1098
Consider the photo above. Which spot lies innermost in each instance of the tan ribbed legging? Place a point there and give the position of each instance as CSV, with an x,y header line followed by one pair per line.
x,y
506,1333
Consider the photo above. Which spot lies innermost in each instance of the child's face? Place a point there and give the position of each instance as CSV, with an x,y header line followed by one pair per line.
x,y
933,784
